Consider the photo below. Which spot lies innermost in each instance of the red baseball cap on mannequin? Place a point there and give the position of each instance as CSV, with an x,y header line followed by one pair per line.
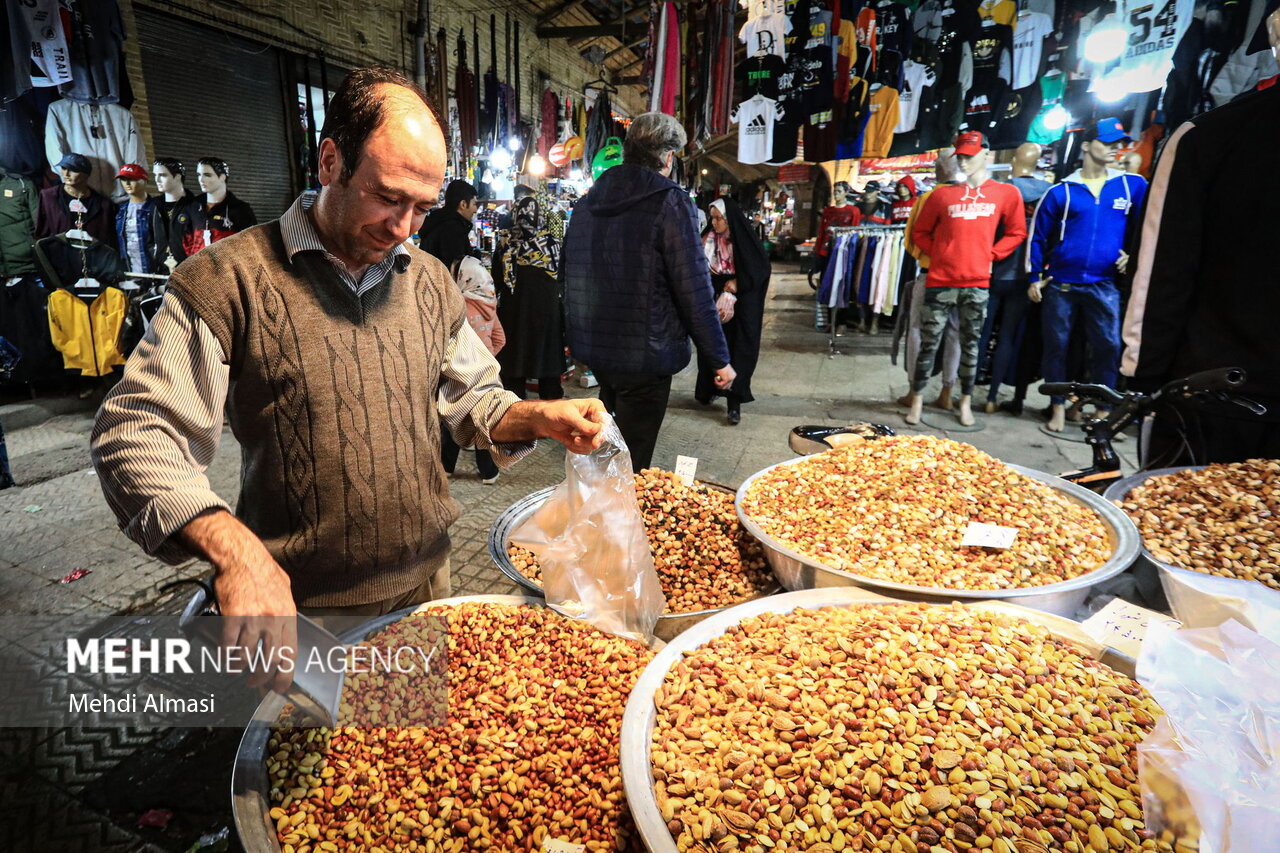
x,y
132,172
970,142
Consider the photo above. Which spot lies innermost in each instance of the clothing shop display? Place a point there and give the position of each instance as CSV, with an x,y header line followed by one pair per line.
x,y
894,38
19,205
766,34
1029,35
105,133
202,225
1021,107
993,52
878,131
134,236
946,28
956,229
985,108
88,333
37,48
56,214
915,79
759,75
865,269
667,59
1044,129
755,118
97,56
1077,234
164,234
834,216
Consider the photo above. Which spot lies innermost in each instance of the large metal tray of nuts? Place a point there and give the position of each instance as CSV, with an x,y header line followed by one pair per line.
x,y
638,718
799,571
250,787
669,624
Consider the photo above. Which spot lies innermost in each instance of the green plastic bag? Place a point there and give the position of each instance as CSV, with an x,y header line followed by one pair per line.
x,y
607,157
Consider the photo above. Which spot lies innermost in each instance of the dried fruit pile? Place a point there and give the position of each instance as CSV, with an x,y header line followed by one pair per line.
x,y
703,556
903,729
530,750
1223,520
896,509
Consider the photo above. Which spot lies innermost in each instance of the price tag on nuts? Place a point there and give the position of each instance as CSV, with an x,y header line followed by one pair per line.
x,y
686,468
1123,626
557,845
979,535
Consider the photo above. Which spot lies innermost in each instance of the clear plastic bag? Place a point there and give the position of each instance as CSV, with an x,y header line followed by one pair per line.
x,y
1205,601
1210,771
590,541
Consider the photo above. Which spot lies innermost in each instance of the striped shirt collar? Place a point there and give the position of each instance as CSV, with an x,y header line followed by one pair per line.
x,y
300,236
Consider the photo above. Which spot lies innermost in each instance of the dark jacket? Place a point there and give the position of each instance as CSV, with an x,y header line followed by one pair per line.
x,y
227,217
167,237
55,216
19,201
145,215
447,235
636,280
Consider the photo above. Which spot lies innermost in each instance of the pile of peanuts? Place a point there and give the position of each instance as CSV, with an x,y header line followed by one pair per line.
x,y
896,509
900,729
1223,520
703,556
530,750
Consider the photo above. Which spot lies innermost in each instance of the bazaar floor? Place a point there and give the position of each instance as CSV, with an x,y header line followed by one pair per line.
x,y
77,789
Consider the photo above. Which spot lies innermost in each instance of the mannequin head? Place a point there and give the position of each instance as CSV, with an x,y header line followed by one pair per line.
x,y
75,170
972,157
134,180
169,173
1102,143
902,191
1273,33
381,163
840,193
1132,162
212,174
1025,159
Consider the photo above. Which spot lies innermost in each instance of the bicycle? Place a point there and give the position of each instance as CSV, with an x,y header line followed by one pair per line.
x,y
1125,408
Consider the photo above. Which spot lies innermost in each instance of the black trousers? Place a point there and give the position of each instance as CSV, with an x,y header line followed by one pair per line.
x,y
449,456
639,404
1189,435
549,387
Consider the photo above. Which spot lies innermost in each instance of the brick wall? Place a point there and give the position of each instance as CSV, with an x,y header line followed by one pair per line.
x,y
373,31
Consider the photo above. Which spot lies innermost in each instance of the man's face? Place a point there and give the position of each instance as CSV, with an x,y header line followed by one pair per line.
x,y
132,186
74,180
396,183
166,181
210,180
468,209
1103,153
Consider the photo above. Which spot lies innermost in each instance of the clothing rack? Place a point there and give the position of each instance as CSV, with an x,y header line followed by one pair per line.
x,y
835,232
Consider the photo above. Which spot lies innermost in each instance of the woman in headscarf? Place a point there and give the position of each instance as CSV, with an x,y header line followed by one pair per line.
x,y
740,275
526,270
482,315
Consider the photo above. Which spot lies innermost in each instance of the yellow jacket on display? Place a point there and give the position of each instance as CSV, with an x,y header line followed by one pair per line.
x,y
88,334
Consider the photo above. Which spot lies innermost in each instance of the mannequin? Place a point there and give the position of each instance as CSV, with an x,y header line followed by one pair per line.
x,y
216,213
1009,300
75,204
841,213
874,209
174,198
134,217
1206,288
1076,251
957,228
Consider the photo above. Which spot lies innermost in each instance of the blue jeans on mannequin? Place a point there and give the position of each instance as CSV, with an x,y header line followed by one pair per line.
x,y
1009,302
1097,306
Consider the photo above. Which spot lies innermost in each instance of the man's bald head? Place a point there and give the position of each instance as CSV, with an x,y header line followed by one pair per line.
x,y
365,100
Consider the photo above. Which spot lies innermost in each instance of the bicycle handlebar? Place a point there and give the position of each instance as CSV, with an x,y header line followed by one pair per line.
x,y
1083,390
1220,379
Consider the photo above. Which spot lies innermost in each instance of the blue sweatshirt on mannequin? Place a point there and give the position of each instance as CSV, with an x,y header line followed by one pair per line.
x,y
1076,237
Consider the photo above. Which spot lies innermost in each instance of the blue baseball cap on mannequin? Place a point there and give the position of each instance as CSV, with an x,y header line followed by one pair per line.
x,y
1109,130
75,163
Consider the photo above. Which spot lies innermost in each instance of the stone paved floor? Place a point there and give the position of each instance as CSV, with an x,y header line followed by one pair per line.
x,y
83,789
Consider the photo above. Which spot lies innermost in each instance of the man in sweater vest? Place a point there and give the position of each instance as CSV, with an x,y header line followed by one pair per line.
x,y
338,353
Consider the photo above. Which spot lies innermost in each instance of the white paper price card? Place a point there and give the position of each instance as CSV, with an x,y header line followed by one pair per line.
x,y
686,468
557,845
979,535
1123,626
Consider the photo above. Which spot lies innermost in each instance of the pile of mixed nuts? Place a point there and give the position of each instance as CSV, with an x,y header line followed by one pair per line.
x,y
896,509
902,729
530,750
703,556
1223,520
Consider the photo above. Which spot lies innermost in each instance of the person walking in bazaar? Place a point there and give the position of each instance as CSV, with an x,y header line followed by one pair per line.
x,y
740,277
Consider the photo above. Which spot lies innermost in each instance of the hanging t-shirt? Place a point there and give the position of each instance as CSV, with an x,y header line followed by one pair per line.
x,y
1028,47
992,51
759,75
894,36
755,117
766,34
1020,109
817,83
1051,90
915,79
877,139
984,109
998,11
1154,33
757,8
947,27
132,239
867,45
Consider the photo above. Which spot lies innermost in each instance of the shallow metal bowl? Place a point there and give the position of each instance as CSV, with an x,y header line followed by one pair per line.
x,y
638,720
799,571
669,624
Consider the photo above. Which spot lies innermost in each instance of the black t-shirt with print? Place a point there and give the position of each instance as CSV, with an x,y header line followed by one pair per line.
x,y
759,75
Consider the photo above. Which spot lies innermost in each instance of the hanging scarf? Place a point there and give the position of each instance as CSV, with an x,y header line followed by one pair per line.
x,y
529,243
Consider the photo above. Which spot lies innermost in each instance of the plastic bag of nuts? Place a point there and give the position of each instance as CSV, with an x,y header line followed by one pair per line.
x,y
896,509
898,728
703,556
530,751
1223,520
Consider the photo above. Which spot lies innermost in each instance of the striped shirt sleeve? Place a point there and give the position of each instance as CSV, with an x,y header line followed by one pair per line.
x,y
472,400
157,430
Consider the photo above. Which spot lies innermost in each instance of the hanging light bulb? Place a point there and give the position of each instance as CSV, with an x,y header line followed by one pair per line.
x,y
1108,90
513,143
537,165
1056,118
487,177
500,159
1106,41
500,186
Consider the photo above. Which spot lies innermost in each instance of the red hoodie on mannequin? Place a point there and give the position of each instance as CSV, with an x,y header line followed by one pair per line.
x,y
903,202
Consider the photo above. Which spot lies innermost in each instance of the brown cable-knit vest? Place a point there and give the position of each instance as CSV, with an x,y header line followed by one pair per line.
x,y
333,401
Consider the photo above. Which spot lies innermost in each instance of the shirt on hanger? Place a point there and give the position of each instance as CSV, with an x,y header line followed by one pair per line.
x,y
1028,47
1000,11
1051,89
984,109
759,75
915,78
1020,109
948,28
992,51
766,34
755,117
1154,33
877,139
132,239
757,8
865,29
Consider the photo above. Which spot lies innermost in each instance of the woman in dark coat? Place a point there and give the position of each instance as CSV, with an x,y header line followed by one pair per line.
x,y
526,271
740,275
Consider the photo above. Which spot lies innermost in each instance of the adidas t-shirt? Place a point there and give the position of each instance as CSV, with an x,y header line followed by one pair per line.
x,y
915,78
1154,33
1028,47
766,34
755,117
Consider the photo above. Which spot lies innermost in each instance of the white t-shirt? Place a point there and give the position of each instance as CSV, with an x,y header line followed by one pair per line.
x,y
755,117
1154,33
132,239
766,34
756,8
1028,47
915,77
